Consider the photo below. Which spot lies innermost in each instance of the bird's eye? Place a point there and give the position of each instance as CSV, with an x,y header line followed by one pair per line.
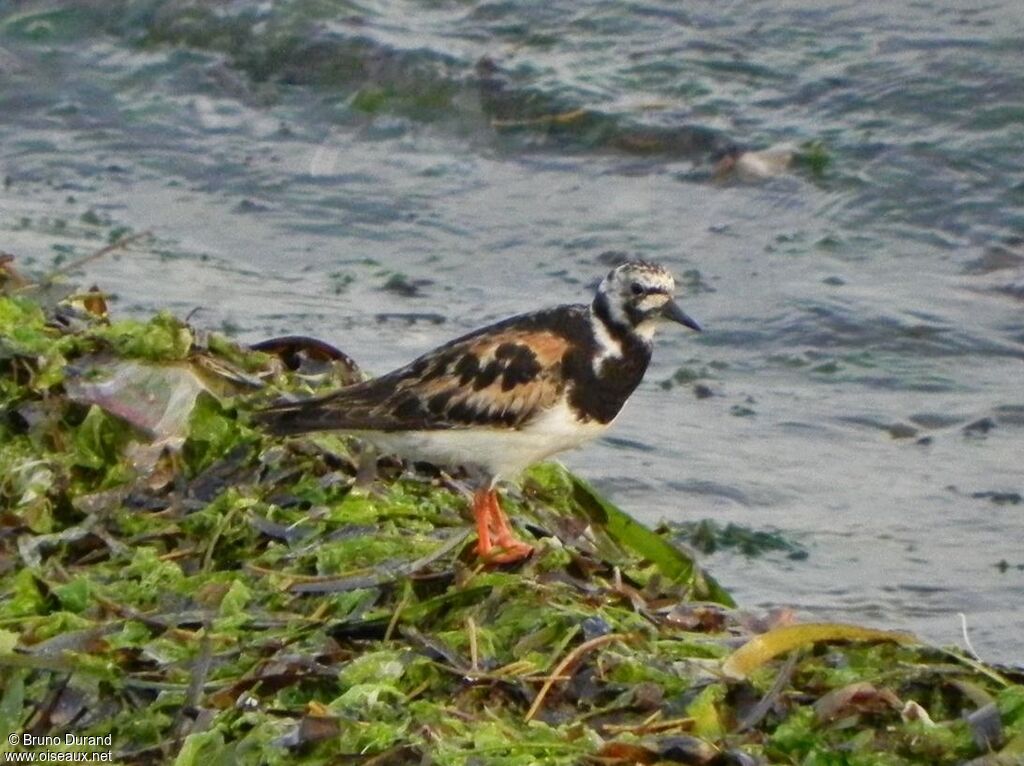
x,y
637,288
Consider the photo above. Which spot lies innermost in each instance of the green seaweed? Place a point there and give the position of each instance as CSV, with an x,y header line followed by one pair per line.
x,y
707,536
671,561
162,338
217,596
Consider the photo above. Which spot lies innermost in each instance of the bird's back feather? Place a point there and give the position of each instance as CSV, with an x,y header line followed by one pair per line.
x,y
504,375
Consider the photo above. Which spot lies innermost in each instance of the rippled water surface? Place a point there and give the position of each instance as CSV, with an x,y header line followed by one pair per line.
x,y
386,175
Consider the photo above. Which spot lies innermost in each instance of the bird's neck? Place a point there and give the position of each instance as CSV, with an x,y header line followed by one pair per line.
x,y
606,377
615,332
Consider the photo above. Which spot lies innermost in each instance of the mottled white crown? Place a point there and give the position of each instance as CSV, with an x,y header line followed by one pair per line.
x,y
637,277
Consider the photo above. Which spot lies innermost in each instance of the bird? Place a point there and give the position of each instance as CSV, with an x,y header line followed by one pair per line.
x,y
507,395
749,165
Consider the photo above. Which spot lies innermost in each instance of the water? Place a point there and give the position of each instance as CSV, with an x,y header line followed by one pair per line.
x,y
309,167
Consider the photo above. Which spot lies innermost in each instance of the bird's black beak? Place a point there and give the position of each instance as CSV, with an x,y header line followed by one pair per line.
x,y
676,314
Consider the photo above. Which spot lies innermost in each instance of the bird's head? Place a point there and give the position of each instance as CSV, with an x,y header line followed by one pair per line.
x,y
637,296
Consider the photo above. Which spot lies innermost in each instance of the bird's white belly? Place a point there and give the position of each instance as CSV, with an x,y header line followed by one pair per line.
x,y
498,451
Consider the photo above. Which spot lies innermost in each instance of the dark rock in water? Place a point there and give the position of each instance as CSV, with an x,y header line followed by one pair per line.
x,y
934,419
979,427
1004,566
612,258
1015,291
411,317
999,498
902,431
399,284
694,282
631,444
251,206
1010,414
995,258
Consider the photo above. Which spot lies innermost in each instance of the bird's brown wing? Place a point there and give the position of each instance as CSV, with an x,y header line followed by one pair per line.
x,y
500,377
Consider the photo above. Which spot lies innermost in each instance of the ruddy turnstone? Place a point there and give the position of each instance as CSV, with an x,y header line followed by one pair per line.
x,y
506,395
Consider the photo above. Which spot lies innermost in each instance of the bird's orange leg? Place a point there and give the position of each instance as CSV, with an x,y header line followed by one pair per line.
x,y
512,548
482,514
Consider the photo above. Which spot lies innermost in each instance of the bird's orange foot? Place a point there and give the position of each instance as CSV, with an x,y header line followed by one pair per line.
x,y
506,547
482,516
495,542
509,552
